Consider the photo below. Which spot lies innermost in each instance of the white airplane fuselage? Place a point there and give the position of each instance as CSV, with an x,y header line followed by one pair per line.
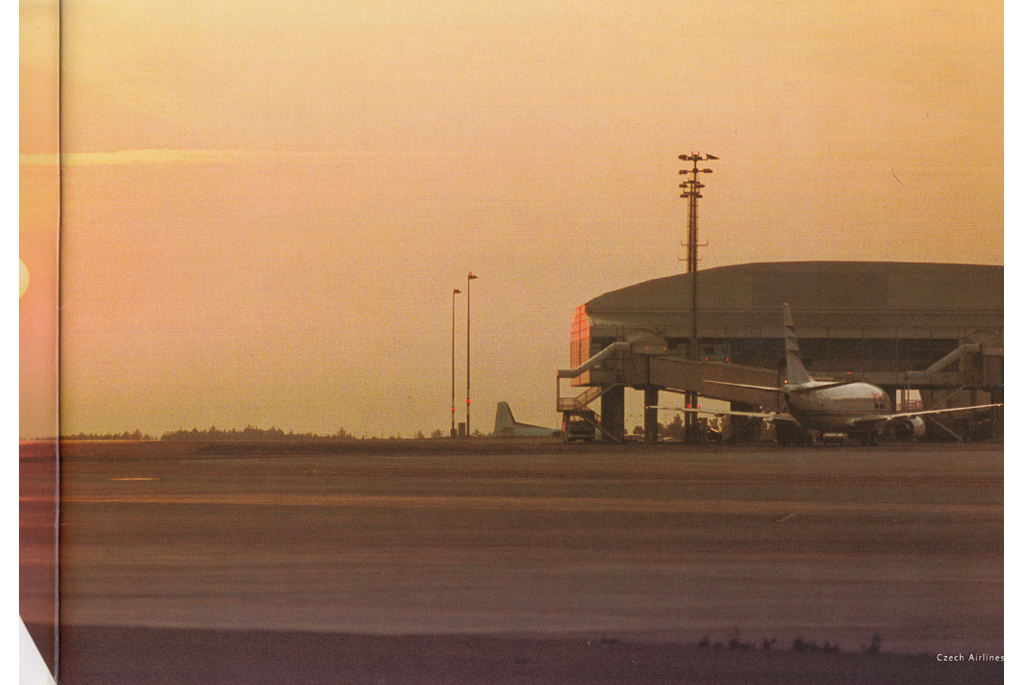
x,y
828,408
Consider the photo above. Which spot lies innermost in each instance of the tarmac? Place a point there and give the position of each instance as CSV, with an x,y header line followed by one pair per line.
x,y
501,561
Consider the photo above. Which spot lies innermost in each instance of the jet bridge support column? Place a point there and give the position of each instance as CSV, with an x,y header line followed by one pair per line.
x,y
650,414
613,413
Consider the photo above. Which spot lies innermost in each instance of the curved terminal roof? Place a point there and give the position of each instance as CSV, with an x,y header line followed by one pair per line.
x,y
827,298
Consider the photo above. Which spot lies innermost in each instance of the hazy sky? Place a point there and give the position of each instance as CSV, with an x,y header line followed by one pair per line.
x,y
266,205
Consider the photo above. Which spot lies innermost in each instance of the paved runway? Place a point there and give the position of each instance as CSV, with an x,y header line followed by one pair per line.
x,y
626,545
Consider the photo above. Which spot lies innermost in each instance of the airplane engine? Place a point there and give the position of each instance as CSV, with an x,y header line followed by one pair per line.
x,y
910,428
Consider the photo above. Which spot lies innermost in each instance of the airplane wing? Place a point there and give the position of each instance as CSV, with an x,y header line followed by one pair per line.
x,y
881,418
768,388
791,388
768,416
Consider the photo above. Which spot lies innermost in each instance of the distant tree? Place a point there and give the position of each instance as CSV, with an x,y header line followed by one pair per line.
x,y
674,429
419,435
437,433
341,433
638,430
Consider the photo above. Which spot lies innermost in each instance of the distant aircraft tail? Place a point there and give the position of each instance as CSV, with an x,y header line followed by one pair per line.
x,y
506,426
503,420
795,370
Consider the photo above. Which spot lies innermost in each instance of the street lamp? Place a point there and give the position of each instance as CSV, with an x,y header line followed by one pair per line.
x,y
469,278
691,189
455,292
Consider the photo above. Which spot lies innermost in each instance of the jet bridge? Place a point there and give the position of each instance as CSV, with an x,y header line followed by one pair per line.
x,y
644,365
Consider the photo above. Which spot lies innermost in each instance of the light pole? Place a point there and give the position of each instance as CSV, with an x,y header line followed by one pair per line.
x,y
691,190
455,292
469,278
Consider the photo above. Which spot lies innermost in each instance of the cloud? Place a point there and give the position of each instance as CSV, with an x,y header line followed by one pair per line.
x,y
154,156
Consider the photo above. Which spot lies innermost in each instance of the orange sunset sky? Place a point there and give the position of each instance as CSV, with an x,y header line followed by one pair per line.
x,y
265,206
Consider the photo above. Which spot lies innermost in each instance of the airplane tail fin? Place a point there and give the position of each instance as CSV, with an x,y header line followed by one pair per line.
x,y
795,370
503,420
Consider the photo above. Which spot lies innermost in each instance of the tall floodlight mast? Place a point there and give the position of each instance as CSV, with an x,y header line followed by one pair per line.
x,y
691,189
469,279
453,432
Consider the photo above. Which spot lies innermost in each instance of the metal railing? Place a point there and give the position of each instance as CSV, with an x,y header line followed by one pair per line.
x,y
580,401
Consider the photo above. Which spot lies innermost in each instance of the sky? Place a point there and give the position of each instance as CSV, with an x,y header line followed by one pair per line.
x,y
265,206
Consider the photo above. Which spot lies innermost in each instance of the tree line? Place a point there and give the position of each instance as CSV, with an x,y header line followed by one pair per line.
x,y
214,434
248,433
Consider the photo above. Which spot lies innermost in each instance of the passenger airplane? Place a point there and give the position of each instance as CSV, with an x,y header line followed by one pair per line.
x,y
834,409
505,425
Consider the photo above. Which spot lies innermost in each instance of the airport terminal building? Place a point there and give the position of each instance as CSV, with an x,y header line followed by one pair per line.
x,y
936,329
